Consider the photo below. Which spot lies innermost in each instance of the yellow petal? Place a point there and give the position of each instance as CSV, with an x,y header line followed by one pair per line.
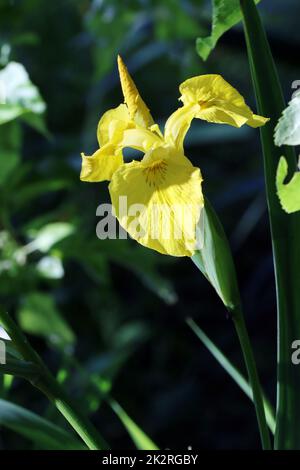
x,y
179,123
156,130
101,165
163,201
220,115
140,139
219,101
257,121
137,108
112,124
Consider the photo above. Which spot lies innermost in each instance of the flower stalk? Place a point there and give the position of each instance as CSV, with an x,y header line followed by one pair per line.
x,y
240,327
285,229
216,263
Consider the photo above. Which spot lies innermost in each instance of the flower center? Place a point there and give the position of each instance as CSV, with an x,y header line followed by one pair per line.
x,y
155,174
203,104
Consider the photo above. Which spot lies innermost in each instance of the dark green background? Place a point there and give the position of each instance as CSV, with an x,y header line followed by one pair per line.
x,y
125,304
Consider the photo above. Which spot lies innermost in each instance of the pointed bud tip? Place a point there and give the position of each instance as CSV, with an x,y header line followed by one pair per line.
x,y
121,64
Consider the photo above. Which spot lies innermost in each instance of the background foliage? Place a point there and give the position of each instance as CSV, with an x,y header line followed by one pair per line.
x,y
115,306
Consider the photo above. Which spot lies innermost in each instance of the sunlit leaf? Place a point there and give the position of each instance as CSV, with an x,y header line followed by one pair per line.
x,y
3,334
225,14
49,235
288,193
287,131
19,96
50,267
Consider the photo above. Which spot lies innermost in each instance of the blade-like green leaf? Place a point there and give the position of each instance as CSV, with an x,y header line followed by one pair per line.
x,y
52,389
285,228
225,14
35,428
19,368
140,439
234,373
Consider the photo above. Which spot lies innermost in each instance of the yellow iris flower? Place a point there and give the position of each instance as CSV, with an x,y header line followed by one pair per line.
x,y
164,188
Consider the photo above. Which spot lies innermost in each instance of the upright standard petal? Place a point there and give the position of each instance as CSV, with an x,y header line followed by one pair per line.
x,y
158,201
101,165
219,101
112,124
138,110
179,123
140,139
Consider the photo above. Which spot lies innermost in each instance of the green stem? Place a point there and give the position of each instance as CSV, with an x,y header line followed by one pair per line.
x,y
285,229
216,263
240,326
234,373
47,384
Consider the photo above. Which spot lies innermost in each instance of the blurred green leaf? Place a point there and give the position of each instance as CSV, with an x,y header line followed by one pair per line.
x,y
38,315
96,254
19,368
172,21
8,162
35,428
29,191
18,95
102,387
35,121
287,131
145,265
225,14
49,235
50,267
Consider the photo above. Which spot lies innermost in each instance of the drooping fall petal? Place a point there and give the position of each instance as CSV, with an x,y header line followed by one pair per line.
x,y
159,200
101,165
